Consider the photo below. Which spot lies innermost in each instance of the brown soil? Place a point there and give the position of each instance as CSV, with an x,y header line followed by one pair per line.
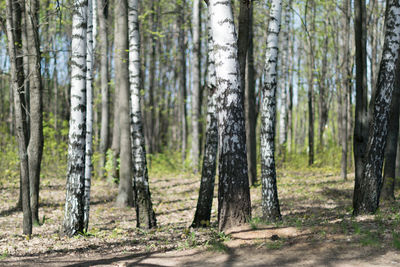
x,y
317,229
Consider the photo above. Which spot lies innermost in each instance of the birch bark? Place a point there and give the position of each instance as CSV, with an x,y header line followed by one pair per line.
x,y
270,201
366,198
89,114
73,217
233,192
145,215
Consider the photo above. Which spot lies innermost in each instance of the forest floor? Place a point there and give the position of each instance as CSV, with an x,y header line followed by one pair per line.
x,y
317,228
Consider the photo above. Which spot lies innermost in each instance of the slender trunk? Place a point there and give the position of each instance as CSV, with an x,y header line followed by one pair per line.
x,y
125,192
206,192
283,117
397,169
152,80
196,76
234,206
35,146
361,113
247,82
104,78
366,198
73,217
13,20
310,93
346,90
89,115
323,94
182,77
145,215
290,91
269,199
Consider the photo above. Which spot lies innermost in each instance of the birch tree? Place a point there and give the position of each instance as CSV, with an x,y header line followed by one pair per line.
x,y
145,215
74,213
233,192
89,113
206,192
269,199
366,196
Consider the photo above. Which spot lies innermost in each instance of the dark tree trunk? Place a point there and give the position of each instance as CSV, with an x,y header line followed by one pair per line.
x,y
35,146
361,109
182,77
206,192
366,196
344,97
310,93
389,174
246,62
152,81
13,20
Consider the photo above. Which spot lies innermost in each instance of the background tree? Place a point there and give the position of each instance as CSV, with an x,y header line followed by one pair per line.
x,y
13,22
125,192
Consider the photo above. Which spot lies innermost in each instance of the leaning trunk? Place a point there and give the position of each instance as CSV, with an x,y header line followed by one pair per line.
x,y
366,199
206,192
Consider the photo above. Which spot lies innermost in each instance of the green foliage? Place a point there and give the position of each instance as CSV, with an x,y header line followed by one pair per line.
x,y
167,163
55,149
216,242
9,159
396,240
109,166
4,255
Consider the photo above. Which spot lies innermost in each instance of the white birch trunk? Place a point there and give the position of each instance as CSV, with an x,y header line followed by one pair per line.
x,y
89,113
366,198
270,202
73,217
145,215
233,194
94,20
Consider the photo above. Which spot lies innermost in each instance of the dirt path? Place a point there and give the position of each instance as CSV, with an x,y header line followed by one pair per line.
x,y
317,229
